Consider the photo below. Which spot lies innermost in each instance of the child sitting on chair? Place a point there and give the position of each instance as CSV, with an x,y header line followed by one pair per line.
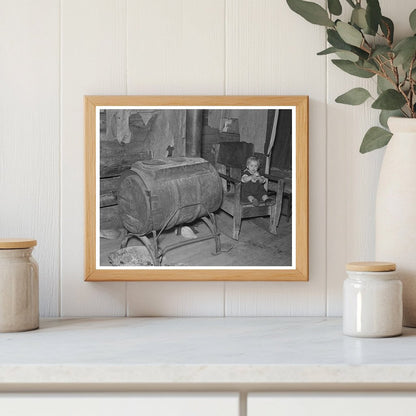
x,y
253,184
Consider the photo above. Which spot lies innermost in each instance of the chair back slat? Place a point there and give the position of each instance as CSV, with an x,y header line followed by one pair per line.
x,y
235,154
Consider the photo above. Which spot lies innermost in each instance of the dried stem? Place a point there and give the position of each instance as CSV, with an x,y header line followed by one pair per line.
x,y
412,88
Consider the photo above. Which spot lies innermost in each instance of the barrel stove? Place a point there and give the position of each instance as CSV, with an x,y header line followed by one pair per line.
x,y
156,195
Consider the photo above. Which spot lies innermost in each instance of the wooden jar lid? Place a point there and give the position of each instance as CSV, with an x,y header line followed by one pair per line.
x,y
11,243
371,266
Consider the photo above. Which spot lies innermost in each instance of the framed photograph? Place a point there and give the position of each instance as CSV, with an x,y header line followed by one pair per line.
x,y
196,188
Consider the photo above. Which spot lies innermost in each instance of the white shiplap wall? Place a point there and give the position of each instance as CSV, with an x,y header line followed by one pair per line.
x,y
55,52
93,61
30,134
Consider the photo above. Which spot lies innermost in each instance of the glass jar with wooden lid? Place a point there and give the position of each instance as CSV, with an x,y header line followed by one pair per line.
x,y
19,286
372,300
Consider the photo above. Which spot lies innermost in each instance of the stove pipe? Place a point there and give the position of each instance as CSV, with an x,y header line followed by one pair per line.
x,y
193,133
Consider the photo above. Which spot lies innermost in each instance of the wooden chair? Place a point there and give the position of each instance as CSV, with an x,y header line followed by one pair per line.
x,y
230,160
286,176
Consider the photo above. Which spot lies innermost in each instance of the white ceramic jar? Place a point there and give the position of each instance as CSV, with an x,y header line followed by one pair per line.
x,y
372,300
19,286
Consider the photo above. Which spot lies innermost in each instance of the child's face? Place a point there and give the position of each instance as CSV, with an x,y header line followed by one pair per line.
x,y
252,166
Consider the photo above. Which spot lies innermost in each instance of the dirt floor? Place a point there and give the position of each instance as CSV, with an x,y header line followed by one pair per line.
x,y
256,246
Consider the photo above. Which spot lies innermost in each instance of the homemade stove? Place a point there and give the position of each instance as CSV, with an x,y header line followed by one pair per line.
x,y
159,194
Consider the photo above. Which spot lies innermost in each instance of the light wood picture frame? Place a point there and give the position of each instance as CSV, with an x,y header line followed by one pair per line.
x,y
125,140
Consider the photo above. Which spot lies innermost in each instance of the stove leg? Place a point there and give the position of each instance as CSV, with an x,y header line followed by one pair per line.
x,y
125,240
151,248
157,255
216,234
211,222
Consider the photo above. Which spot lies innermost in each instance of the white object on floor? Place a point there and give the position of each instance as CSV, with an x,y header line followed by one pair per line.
x,y
187,232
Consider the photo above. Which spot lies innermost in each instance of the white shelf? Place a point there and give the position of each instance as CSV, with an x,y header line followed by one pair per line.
x,y
177,352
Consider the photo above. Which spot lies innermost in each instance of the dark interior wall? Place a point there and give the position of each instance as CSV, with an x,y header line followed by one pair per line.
x,y
212,135
130,135
282,150
127,136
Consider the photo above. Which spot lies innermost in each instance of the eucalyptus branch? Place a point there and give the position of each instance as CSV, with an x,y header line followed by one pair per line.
x,y
406,97
371,71
380,64
366,43
412,86
385,75
386,37
395,71
368,48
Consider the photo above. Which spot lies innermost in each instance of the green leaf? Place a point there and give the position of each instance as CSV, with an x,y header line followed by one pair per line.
x,y
373,15
334,7
412,20
349,34
358,18
389,100
336,41
383,84
347,55
327,51
311,12
386,114
352,68
360,52
405,50
375,138
370,65
356,96
381,50
350,56
387,27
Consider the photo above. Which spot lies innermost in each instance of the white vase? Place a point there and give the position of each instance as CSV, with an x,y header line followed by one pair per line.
x,y
396,210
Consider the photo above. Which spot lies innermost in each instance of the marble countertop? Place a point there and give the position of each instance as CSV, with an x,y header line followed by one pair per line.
x,y
203,351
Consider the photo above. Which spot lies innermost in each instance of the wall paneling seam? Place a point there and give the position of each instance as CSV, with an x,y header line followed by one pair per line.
x,y
326,186
126,61
326,176
225,66
60,255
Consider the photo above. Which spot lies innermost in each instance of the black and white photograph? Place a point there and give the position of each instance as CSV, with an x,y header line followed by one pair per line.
x,y
195,187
